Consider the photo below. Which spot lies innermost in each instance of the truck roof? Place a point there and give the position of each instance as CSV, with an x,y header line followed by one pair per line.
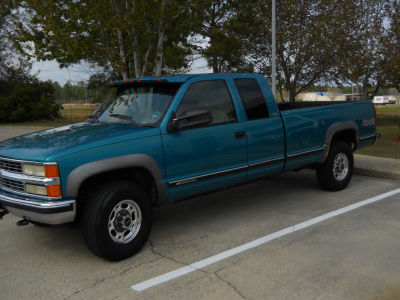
x,y
172,78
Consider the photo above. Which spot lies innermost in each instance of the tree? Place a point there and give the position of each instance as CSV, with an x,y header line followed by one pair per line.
x,y
392,46
362,57
22,96
27,100
12,66
130,37
309,37
226,27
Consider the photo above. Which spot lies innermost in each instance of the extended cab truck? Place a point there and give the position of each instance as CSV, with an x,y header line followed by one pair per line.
x,y
161,139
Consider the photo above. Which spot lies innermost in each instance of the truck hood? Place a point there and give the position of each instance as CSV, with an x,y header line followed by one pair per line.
x,y
53,143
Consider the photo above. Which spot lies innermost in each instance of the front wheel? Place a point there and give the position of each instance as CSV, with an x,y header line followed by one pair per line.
x,y
117,220
335,173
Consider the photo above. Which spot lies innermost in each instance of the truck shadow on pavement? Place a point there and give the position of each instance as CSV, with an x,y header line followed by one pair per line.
x,y
191,222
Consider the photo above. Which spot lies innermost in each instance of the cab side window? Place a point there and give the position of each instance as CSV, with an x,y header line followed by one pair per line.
x,y
211,95
252,98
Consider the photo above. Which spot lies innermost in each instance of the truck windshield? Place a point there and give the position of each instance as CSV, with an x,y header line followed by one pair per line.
x,y
141,104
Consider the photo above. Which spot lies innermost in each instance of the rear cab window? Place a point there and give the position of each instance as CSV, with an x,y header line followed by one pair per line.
x,y
252,98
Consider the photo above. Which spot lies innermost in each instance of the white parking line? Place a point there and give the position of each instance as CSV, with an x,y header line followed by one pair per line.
x,y
139,287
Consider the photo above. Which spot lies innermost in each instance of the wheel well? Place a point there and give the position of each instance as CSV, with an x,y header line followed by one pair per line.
x,y
139,175
349,136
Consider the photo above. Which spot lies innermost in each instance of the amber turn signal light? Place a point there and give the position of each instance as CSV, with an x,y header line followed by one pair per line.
x,y
53,191
51,171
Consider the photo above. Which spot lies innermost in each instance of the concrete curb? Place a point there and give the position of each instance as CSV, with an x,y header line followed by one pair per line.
x,y
380,167
374,173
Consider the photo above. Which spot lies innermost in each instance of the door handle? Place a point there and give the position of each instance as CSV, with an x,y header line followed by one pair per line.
x,y
240,134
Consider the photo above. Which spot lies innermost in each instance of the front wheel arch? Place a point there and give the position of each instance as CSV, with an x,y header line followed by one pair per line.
x,y
81,174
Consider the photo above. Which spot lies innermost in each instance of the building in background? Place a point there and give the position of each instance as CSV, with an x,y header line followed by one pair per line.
x,y
327,96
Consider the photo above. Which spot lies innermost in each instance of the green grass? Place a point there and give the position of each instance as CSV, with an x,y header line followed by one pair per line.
x,y
76,113
389,109
389,128
69,115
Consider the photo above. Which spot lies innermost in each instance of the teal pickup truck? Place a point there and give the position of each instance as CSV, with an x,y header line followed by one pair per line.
x,y
161,139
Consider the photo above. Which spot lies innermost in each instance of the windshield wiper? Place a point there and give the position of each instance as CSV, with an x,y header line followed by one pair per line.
x,y
129,118
122,117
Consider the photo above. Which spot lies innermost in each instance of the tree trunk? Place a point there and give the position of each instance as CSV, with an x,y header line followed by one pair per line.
x,y
160,51
160,42
378,85
122,54
108,48
292,92
281,93
124,70
214,55
146,60
365,91
292,96
136,57
215,64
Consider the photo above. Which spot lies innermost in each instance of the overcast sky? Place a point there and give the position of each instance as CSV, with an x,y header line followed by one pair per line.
x,y
81,72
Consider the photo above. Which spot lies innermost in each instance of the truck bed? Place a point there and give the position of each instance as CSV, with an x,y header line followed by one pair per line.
x,y
305,104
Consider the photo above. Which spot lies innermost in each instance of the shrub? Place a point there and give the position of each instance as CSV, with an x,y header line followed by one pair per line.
x,y
28,101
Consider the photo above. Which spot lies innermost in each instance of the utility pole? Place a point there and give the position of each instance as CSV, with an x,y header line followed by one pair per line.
x,y
273,30
70,94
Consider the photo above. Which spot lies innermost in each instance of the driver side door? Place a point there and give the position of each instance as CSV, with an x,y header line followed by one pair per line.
x,y
211,156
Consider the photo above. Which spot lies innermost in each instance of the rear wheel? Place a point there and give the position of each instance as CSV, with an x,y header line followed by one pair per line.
x,y
117,220
336,172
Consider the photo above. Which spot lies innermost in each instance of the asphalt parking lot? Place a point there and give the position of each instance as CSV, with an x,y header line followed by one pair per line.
x,y
355,255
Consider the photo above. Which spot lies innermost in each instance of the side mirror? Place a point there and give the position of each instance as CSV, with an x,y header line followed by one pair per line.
x,y
192,119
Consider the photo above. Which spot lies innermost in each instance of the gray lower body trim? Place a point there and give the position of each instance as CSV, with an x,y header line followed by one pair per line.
x,y
225,172
266,162
207,176
55,212
244,168
314,151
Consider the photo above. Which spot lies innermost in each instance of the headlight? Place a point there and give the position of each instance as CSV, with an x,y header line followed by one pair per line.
x,y
49,171
36,189
47,181
49,191
33,170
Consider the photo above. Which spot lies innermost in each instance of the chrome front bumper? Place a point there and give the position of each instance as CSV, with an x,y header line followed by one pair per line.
x,y
48,212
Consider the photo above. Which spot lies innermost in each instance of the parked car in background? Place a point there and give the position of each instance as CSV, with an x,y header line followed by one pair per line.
x,y
382,100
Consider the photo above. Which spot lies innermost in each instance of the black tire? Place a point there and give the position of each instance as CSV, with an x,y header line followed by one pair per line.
x,y
113,202
336,178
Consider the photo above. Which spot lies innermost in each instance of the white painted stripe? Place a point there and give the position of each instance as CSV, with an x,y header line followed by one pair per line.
x,y
263,240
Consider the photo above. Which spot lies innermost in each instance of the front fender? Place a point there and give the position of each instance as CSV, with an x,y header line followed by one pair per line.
x,y
83,172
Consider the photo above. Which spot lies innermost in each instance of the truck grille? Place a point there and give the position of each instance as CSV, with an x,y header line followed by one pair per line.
x,y
12,184
11,166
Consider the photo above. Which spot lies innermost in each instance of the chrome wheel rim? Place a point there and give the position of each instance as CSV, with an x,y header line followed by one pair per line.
x,y
124,221
340,166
